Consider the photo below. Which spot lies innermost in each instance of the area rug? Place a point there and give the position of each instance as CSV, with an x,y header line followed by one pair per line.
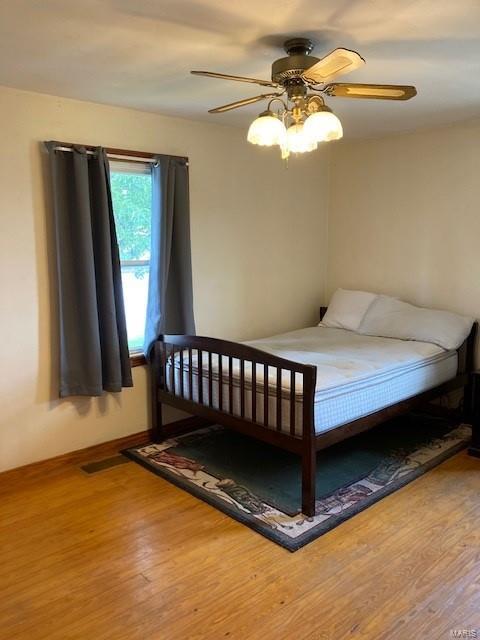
x,y
260,485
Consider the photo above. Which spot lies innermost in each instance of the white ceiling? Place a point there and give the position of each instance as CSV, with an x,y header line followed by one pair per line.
x,y
138,53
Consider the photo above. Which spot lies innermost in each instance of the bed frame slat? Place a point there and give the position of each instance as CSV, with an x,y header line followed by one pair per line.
x,y
210,382
242,388
292,403
181,373
279,398
254,391
190,373
172,368
200,375
220,382
265,395
230,385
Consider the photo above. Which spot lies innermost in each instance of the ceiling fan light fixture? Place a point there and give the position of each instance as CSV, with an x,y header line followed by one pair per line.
x,y
285,151
267,130
297,139
301,81
323,125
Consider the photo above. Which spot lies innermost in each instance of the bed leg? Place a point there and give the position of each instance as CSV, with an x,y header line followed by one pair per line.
x,y
155,404
468,400
309,465
474,449
157,423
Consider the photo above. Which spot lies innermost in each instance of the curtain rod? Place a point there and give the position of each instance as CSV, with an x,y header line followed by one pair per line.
x,y
123,154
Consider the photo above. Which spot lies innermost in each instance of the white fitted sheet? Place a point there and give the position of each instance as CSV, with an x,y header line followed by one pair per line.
x,y
356,375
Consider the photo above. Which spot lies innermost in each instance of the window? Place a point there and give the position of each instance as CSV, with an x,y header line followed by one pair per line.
x,y
131,184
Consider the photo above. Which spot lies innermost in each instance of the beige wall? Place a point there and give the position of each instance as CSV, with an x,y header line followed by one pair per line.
x,y
258,244
405,217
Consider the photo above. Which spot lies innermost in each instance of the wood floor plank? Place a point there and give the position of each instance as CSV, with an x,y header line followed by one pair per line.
x,y
124,554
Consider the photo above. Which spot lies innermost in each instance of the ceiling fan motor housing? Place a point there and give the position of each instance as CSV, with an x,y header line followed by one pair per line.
x,y
298,59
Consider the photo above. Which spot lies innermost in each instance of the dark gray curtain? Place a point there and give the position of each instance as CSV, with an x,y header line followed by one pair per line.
x,y
94,353
170,297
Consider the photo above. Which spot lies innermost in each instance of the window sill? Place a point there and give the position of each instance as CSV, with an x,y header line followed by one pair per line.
x,y
137,359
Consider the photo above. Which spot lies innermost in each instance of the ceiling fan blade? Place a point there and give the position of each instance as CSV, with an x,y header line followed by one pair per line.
x,y
243,103
333,64
223,76
371,91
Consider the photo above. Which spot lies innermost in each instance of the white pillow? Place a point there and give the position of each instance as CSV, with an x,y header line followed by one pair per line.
x,y
347,308
391,318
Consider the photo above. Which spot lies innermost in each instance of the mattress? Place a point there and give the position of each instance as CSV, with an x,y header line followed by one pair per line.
x,y
356,375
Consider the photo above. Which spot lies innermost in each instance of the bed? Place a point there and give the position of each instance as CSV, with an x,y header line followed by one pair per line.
x,y
304,390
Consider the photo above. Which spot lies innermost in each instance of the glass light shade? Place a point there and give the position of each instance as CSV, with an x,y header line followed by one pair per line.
x,y
298,141
323,126
267,130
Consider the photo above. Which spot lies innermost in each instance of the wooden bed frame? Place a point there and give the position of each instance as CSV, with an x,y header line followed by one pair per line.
x,y
182,347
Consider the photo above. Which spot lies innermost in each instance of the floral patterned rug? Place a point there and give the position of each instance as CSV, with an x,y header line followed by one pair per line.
x,y
259,485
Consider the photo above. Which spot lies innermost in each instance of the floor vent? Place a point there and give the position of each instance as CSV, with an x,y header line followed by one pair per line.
x,y
102,465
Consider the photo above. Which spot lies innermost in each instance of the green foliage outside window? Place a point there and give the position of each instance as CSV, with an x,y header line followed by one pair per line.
x,y
132,204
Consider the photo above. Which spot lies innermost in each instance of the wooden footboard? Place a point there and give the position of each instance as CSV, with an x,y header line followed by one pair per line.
x,y
202,375
220,365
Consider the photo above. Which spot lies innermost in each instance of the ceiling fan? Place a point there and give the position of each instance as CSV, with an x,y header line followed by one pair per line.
x,y
301,80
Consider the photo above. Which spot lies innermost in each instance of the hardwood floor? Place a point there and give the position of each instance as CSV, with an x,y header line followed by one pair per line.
x,y
122,554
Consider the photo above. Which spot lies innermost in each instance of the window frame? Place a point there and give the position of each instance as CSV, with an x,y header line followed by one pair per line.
x,y
137,359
